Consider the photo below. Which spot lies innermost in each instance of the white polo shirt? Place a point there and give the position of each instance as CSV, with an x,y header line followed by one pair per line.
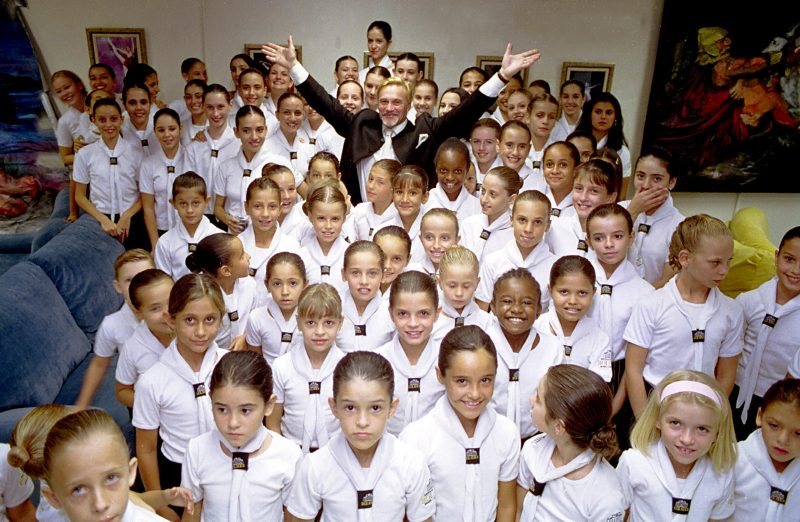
x,y
140,353
176,244
538,263
112,175
156,177
114,331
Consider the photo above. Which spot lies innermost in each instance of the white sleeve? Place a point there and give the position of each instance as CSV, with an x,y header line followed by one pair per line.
x,y
252,334
484,290
145,405
162,256
639,330
220,181
126,371
63,134
287,488
420,504
189,477
298,73
794,366
104,342
509,469
16,488
277,381
146,179
733,342
600,362
80,167
304,502
624,476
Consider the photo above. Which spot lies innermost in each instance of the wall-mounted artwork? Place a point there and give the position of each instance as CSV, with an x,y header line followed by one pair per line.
x,y
118,48
491,64
725,96
427,60
596,77
254,52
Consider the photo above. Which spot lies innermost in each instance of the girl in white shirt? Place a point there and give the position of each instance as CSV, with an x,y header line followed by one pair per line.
x,y
542,112
438,232
452,163
205,157
655,217
172,399
414,305
279,82
771,334
158,173
196,120
564,474
223,257
218,464
367,324
396,246
149,292
603,118
237,173
137,127
378,211
379,39
409,195
292,216
768,469
288,147
251,91
472,453
523,353
70,90
514,145
110,166
683,455
558,164
326,209
364,473
272,328
689,323
483,140
263,237
490,230
572,281
458,279
304,375
584,141
530,219
571,98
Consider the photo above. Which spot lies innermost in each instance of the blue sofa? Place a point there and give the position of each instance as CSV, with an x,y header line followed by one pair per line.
x,y
51,305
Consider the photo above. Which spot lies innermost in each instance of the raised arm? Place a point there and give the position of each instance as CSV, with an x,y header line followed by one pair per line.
x,y
329,107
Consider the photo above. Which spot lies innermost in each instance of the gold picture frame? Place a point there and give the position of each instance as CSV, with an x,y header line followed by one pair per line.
x,y
596,77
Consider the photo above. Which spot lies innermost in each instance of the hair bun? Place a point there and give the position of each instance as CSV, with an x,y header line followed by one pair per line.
x,y
18,457
192,263
604,441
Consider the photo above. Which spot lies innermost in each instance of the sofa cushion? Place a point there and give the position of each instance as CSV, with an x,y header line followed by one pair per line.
x,y
40,344
80,262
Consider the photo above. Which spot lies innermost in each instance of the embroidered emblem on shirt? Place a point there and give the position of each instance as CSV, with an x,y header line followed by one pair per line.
x,y
325,270
413,384
459,321
192,246
233,316
582,246
144,143
513,374
680,506
239,460
473,455
364,499
698,336
112,160
314,387
170,169
485,235
567,350
606,289
361,329
643,228
199,389
214,153
251,272
246,173
538,488
555,212
770,320
778,495
286,337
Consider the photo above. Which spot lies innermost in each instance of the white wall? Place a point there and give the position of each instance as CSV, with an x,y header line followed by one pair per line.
x,y
622,32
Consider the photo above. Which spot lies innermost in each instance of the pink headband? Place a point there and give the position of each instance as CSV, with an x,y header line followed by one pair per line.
x,y
690,386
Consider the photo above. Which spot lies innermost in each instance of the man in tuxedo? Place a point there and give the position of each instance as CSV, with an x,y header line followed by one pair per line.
x,y
388,133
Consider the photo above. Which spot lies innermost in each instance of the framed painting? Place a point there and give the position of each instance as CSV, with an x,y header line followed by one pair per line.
x,y
596,77
254,52
117,48
725,96
491,64
427,60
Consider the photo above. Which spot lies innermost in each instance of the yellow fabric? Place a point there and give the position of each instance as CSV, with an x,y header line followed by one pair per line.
x,y
753,253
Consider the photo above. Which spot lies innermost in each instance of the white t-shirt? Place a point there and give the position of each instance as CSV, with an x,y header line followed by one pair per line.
x,y
238,305
176,244
292,391
112,175
144,141
156,177
15,486
499,462
207,473
295,155
404,488
366,222
68,127
167,403
449,318
259,257
206,157
138,355
588,347
650,249
657,326
538,263
566,237
267,328
597,496
236,174
650,500
464,206
325,268
482,238
368,331
114,331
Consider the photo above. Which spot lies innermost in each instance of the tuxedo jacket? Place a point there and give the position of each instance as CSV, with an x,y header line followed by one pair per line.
x,y
415,145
